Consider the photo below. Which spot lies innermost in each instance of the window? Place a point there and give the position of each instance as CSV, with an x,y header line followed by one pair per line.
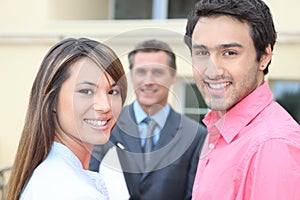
x,y
287,93
152,9
180,9
195,106
133,9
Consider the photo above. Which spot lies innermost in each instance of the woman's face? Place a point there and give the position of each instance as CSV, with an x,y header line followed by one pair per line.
x,y
88,105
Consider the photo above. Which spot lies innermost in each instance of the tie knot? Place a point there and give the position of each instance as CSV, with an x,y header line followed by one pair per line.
x,y
147,120
150,122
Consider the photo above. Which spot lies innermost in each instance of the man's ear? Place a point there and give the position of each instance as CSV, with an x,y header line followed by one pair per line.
x,y
266,57
174,77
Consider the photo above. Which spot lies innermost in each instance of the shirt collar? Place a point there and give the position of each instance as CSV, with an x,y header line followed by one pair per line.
x,y
60,149
241,114
160,117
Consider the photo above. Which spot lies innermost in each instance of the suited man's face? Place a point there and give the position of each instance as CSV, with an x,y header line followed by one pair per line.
x,y
151,77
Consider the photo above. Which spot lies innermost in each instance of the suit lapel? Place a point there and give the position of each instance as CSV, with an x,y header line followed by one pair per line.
x,y
170,130
129,134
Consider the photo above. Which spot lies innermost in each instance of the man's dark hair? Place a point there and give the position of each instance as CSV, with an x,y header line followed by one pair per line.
x,y
253,12
153,46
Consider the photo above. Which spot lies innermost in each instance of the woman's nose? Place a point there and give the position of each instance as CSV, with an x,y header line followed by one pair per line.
x,y
102,103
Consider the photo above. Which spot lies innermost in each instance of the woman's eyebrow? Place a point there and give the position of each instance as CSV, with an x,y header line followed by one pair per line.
x,y
94,84
114,85
87,83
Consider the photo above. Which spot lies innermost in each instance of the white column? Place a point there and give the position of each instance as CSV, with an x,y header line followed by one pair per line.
x,y
160,9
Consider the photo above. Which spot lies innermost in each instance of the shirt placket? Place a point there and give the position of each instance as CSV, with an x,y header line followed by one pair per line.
x,y
209,146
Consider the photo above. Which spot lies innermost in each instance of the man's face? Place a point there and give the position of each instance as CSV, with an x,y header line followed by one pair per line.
x,y
224,61
151,77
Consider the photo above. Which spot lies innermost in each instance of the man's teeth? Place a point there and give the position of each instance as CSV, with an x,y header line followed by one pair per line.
x,y
95,122
148,91
218,86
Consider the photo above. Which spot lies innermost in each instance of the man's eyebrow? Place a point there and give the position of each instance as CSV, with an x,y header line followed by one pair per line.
x,y
229,45
199,46
221,46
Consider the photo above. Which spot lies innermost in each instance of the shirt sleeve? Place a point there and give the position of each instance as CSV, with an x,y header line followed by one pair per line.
x,y
274,172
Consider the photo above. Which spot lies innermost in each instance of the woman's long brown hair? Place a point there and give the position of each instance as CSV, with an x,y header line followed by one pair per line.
x,y
39,128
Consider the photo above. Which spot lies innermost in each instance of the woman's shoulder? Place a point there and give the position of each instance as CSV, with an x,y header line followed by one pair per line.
x,y
57,179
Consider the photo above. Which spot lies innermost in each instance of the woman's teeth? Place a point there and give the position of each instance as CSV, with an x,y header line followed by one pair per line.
x,y
95,122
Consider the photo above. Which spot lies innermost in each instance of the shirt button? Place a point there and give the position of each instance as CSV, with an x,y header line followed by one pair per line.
x,y
211,146
196,187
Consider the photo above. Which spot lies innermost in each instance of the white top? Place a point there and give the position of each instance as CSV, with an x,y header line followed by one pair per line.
x,y
61,177
112,174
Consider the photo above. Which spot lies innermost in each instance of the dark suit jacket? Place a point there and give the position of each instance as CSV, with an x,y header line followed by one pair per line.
x,y
171,174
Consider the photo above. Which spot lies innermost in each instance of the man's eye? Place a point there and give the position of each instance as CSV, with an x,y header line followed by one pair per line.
x,y
140,72
158,72
201,53
114,92
229,53
86,91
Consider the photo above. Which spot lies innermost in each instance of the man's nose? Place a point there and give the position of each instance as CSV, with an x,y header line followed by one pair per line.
x,y
149,78
214,68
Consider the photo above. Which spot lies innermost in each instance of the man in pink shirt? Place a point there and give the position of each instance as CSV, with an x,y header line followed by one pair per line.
x,y
253,147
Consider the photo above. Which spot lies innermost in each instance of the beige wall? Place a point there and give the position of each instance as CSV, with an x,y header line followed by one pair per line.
x,y
28,29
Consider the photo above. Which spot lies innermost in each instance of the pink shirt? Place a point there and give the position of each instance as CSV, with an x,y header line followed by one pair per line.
x,y
256,154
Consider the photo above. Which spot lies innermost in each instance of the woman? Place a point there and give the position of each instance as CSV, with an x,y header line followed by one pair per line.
x,y
75,100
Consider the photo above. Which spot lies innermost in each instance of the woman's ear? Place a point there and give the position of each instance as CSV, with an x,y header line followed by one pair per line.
x,y
266,57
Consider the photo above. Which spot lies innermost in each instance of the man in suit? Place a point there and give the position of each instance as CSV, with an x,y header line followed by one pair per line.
x,y
167,170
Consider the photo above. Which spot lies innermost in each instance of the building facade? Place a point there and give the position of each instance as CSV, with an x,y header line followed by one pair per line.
x,y
28,29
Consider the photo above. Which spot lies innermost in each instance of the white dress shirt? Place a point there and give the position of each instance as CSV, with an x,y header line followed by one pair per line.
x,y
111,171
160,118
61,177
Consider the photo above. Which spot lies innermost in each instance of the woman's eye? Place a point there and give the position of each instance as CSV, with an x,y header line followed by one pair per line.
x,y
114,92
86,91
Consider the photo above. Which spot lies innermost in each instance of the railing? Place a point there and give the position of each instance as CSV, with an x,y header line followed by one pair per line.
x,y
4,173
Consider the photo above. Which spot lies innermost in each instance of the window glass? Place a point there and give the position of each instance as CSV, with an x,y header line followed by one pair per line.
x,y
180,9
195,106
142,9
287,93
133,9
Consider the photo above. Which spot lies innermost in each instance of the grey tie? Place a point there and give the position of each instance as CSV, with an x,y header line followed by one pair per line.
x,y
149,138
149,142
